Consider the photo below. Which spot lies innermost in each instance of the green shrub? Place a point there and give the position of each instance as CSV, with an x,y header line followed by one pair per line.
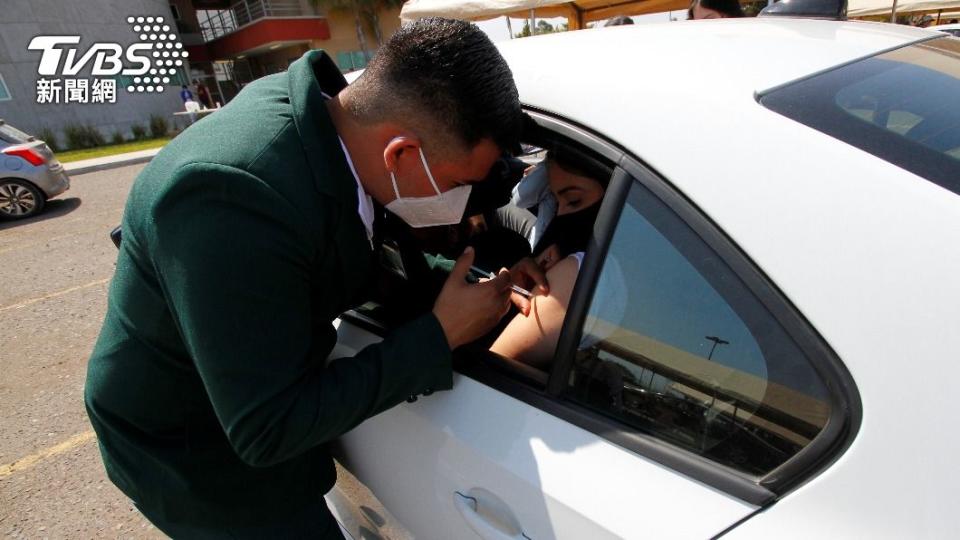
x,y
158,126
117,138
139,132
47,135
82,136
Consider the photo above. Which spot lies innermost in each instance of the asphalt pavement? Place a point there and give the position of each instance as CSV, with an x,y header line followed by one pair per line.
x,y
54,273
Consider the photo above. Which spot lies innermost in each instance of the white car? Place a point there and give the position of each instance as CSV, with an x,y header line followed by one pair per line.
x,y
780,352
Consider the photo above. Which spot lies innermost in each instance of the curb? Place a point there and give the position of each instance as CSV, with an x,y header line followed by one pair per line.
x,y
82,167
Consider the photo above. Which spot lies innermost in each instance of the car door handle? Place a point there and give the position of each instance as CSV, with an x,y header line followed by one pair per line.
x,y
488,516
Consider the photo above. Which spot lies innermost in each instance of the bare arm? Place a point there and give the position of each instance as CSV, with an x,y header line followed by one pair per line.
x,y
533,339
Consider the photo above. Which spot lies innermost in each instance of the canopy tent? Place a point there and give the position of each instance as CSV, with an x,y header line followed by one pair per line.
x,y
578,12
869,8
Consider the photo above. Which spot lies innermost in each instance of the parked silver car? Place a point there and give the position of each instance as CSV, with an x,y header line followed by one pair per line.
x,y
29,174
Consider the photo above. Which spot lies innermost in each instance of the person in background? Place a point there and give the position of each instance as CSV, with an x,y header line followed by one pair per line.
x,y
185,94
714,9
619,20
203,94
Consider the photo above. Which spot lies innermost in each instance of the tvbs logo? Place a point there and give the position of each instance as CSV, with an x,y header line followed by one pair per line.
x,y
146,66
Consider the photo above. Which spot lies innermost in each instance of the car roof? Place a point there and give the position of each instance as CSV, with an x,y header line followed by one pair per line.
x,y
721,58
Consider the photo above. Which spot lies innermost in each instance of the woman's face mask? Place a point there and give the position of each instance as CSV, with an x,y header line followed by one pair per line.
x,y
440,209
570,232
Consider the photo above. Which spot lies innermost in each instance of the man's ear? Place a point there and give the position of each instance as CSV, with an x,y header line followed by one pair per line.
x,y
396,148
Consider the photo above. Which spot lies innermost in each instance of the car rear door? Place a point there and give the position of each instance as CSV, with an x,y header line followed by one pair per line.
x,y
684,395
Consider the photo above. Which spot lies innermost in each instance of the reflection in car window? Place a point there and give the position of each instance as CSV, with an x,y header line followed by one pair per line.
x,y
676,346
901,106
12,135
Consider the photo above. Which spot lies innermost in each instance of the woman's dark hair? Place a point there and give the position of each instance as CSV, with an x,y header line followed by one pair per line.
x,y
447,72
727,8
575,161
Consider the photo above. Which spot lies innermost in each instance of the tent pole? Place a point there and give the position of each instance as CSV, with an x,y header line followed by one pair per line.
x,y
893,13
533,22
509,28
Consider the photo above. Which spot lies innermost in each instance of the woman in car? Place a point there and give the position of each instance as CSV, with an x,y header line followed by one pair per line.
x,y
578,192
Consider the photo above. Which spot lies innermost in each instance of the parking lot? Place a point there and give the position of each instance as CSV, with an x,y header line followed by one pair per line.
x,y
54,274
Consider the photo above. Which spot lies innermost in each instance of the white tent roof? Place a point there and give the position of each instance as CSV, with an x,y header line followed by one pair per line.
x,y
578,12
470,10
866,8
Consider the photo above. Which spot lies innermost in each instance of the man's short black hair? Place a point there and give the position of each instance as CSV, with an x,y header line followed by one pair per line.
x,y
447,72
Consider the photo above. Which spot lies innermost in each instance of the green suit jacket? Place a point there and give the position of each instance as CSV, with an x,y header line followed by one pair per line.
x,y
208,387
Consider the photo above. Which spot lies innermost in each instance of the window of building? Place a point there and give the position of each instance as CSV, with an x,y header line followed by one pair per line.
x,y
351,61
4,91
676,346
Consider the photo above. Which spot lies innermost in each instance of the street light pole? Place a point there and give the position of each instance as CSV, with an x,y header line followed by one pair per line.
x,y
716,341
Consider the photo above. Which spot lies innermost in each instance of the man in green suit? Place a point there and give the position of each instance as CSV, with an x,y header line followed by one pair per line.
x,y
246,237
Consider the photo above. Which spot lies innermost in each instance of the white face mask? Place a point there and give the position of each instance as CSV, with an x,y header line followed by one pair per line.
x,y
441,209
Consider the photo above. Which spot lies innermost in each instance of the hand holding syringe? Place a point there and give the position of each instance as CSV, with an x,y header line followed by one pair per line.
x,y
527,270
480,273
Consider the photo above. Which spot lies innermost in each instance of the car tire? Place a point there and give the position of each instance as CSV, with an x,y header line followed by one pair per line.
x,y
19,199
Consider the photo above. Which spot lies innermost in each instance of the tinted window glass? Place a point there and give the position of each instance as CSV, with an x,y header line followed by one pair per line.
x,y
676,346
12,134
902,106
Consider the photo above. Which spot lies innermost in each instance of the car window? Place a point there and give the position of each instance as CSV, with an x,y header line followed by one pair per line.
x,y
13,135
674,345
900,106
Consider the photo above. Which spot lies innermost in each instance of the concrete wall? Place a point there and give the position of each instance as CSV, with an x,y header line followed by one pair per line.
x,y
92,20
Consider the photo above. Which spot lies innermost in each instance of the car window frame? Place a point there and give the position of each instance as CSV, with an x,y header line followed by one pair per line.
x,y
844,398
498,374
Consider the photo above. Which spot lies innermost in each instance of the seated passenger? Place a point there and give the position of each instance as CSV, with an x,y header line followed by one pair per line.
x,y
532,339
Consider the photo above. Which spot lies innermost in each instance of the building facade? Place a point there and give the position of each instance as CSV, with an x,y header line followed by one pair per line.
x,y
230,43
94,21
234,42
